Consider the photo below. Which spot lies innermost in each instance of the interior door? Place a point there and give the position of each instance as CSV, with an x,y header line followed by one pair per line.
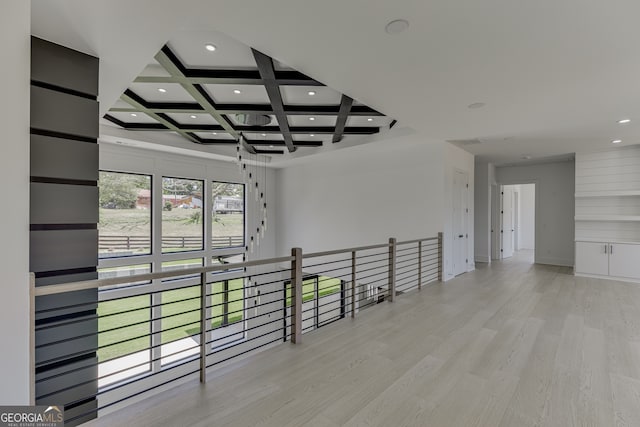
x,y
506,229
460,212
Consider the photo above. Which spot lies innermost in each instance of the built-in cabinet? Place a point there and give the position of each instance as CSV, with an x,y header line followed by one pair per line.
x,y
612,259
607,213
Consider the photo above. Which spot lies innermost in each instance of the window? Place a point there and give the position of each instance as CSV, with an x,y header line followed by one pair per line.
x,y
125,214
227,219
182,222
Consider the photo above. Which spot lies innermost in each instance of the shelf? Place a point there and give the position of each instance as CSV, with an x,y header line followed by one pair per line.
x,y
620,218
621,193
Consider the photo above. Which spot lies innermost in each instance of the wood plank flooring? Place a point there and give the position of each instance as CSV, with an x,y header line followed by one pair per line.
x,y
511,344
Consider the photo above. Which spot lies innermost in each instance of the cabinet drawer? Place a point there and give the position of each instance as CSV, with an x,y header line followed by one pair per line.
x,y
624,260
592,258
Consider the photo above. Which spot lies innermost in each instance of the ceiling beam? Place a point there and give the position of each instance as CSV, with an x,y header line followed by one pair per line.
x,y
290,110
325,130
135,101
345,107
232,77
267,72
167,59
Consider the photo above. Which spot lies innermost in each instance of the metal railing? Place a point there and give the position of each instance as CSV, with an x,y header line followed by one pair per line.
x,y
162,329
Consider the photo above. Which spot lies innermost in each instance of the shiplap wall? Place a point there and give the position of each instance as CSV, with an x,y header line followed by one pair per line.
x,y
608,195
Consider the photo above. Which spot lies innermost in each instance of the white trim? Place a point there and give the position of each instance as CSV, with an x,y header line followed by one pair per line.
x,y
612,278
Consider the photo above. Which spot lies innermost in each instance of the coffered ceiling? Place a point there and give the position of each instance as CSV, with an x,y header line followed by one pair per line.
x,y
554,77
213,90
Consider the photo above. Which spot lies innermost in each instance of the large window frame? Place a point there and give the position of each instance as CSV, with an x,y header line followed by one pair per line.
x,y
157,258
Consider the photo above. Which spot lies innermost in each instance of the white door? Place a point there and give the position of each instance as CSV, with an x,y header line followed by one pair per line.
x,y
506,214
516,221
624,260
460,212
592,258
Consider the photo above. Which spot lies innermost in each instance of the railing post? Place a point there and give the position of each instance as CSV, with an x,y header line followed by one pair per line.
x,y
203,327
32,339
440,266
420,265
296,296
392,269
353,284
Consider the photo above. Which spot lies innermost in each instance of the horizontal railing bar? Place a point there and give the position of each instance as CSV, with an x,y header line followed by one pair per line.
x,y
425,239
340,251
94,284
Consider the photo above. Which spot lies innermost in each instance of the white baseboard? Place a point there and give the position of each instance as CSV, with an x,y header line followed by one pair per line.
x,y
555,261
615,279
482,258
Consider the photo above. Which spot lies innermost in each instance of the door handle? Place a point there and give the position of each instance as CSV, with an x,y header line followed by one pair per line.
x,y
605,248
461,236
611,249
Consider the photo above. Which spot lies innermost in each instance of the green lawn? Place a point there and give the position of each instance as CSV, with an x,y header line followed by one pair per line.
x,y
181,316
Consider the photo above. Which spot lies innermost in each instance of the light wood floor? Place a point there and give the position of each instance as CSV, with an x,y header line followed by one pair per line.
x,y
509,345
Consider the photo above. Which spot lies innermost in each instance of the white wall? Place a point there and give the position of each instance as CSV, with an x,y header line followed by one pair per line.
x,y
482,207
15,29
457,159
527,199
362,195
554,222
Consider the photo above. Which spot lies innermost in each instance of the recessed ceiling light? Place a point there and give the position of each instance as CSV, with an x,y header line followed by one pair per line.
x,y
271,146
397,26
193,116
237,91
616,141
264,134
312,135
311,92
476,105
214,133
312,118
369,119
210,47
134,115
162,90
624,121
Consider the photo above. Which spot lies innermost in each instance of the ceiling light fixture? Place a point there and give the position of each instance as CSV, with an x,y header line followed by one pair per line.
x,y
162,90
210,47
311,93
214,133
616,141
312,118
369,119
193,116
264,134
624,121
397,26
237,91
271,146
312,135
134,115
476,105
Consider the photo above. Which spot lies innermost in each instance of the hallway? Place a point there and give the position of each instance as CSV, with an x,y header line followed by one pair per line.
x,y
510,344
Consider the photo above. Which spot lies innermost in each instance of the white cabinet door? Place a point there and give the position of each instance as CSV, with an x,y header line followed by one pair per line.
x,y
624,260
592,258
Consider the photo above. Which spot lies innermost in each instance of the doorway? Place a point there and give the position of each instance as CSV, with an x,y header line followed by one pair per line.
x,y
516,208
460,221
